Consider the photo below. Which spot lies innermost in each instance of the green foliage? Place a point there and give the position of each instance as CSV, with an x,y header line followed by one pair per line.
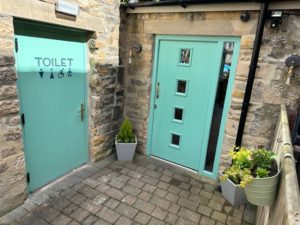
x,y
262,172
262,158
125,134
248,164
235,174
242,158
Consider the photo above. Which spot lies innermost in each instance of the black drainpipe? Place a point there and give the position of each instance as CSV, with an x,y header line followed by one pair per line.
x,y
252,70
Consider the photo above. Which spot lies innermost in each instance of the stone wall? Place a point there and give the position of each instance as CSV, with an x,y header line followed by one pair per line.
x,y
12,169
269,88
105,92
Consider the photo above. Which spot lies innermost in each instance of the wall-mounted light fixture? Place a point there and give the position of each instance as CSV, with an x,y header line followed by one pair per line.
x,y
292,62
276,18
245,16
135,48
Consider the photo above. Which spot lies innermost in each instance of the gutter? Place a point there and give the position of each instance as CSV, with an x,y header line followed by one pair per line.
x,y
183,3
252,71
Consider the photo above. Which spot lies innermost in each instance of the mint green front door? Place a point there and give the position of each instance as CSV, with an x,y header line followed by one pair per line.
x,y
51,76
187,74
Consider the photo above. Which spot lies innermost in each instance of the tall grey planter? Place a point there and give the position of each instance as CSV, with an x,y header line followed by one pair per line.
x,y
233,193
125,151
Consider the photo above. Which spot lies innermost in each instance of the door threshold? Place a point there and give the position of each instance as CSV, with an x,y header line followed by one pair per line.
x,y
174,164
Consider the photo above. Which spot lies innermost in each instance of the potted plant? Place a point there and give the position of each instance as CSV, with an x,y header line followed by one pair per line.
x,y
232,177
125,141
257,171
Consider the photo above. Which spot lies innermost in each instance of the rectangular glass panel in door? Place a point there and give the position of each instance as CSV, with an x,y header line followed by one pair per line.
x,y
187,74
51,71
219,106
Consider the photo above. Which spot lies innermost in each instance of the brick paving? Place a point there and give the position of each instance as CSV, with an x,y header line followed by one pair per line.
x,y
142,192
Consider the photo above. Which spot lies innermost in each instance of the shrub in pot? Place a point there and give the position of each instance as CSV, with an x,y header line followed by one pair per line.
x,y
257,171
125,141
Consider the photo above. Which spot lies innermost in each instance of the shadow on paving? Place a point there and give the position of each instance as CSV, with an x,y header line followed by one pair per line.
x,y
144,191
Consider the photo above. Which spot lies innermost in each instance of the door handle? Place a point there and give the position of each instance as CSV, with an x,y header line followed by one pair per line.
x,y
157,90
81,111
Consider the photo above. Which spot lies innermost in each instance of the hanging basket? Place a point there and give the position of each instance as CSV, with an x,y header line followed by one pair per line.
x,y
262,191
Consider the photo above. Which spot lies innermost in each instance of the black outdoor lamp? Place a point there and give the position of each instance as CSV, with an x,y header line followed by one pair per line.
x,y
276,18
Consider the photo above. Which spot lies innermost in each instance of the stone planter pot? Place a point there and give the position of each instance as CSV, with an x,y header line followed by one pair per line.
x,y
233,193
262,191
125,151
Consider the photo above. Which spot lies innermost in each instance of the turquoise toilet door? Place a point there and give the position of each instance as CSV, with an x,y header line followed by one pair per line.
x,y
186,80
51,76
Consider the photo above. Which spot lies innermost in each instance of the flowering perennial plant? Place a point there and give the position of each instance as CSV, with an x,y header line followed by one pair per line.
x,y
248,164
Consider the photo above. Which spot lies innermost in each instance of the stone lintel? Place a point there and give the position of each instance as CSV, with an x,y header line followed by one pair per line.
x,y
213,27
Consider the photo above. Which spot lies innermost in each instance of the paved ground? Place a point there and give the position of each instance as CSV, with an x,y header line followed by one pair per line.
x,y
145,191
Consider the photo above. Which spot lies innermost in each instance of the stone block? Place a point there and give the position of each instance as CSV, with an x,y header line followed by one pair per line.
x,y
3,167
6,27
9,107
7,60
238,94
221,15
7,75
106,81
7,91
13,135
8,151
7,47
11,203
97,140
247,41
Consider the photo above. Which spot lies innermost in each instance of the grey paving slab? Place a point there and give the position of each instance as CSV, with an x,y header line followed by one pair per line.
x,y
112,203
145,191
108,215
142,218
126,210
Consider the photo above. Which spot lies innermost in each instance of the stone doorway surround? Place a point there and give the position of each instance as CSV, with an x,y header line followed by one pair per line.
x,y
104,79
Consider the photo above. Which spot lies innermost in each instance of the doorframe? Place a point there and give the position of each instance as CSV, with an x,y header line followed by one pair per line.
x,y
236,40
36,26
